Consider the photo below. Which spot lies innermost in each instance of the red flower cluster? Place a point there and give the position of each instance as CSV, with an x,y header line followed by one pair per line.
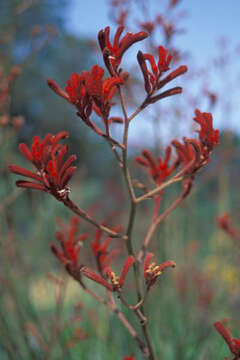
x,y
153,271
160,170
89,91
193,154
129,357
48,157
70,243
233,343
208,136
68,255
152,78
113,53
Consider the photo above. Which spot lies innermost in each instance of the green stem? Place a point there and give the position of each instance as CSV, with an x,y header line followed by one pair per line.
x,y
132,216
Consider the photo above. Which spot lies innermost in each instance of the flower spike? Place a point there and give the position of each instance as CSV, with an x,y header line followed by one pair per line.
x,y
92,275
128,263
68,253
53,171
113,53
193,154
89,92
101,91
207,134
152,78
159,170
70,243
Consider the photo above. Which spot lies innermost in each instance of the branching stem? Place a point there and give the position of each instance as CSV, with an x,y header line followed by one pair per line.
x,y
157,221
132,216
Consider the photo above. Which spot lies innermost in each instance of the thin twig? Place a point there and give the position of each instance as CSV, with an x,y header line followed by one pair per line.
x,y
157,221
128,326
81,213
113,141
135,113
134,308
158,189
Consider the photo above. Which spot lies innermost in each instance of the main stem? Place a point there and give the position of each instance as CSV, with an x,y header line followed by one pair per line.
x,y
136,277
131,221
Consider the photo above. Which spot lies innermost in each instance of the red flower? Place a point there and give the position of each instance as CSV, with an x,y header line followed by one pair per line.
x,y
70,243
48,157
68,254
92,275
189,154
152,78
103,255
153,271
233,343
78,95
193,154
160,170
116,282
128,357
208,136
191,157
112,53
89,91
101,91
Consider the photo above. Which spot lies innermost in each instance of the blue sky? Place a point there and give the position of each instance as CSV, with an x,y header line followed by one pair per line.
x,y
206,22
